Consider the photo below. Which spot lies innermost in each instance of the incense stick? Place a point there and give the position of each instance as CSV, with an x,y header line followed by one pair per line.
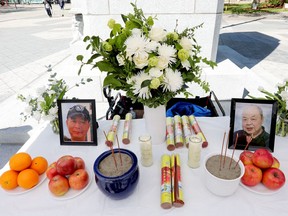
x,y
226,147
119,149
222,149
248,142
233,150
112,150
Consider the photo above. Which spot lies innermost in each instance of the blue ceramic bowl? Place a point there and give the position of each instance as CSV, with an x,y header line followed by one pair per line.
x,y
118,187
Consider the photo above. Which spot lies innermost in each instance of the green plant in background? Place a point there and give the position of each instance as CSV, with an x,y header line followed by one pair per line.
x,y
43,105
281,96
150,64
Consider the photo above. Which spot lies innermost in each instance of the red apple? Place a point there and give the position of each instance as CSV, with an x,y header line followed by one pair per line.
x,y
252,175
79,179
58,185
246,157
51,170
80,164
276,163
65,165
262,158
273,178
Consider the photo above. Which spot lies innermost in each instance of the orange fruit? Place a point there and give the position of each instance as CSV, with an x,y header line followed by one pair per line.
x,y
28,178
8,180
39,164
20,161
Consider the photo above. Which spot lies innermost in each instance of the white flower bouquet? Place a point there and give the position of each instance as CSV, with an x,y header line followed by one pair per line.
x,y
281,96
43,105
150,64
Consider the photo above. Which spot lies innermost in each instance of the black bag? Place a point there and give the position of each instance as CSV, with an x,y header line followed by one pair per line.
x,y
121,105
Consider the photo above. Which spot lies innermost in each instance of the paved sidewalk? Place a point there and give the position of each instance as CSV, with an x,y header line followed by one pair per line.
x,y
257,46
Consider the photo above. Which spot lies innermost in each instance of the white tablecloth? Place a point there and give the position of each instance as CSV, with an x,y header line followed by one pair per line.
x,y
146,198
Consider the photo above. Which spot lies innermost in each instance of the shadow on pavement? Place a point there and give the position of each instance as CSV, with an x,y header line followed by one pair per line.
x,y
253,46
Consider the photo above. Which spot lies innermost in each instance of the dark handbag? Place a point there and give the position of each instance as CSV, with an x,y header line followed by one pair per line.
x,y
121,105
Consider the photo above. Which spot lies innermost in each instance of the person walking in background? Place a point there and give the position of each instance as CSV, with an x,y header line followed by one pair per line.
x,y
61,4
48,7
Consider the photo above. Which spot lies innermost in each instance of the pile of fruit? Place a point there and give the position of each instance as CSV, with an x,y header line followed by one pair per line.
x,y
24,171
65,173
262,167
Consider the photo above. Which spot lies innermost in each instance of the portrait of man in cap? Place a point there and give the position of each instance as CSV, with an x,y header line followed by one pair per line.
x,y
78,124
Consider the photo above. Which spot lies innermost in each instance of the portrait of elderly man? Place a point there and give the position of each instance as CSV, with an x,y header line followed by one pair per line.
x,y
252,131
78,124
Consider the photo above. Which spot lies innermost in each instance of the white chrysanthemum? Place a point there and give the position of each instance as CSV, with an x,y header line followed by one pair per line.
x,y
186,64
284,95
168,52
143,93
172,80
140,59
152,46
155,72
186,43
163,62
260,88
135,44
157,34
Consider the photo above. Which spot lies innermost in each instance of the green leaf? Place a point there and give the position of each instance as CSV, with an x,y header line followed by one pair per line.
x,y
80,58
145,83
105,66
110,80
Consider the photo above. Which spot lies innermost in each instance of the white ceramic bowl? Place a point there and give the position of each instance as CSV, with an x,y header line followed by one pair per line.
x,y
218,186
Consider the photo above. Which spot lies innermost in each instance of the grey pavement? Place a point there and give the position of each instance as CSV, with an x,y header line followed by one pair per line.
x,y
30,40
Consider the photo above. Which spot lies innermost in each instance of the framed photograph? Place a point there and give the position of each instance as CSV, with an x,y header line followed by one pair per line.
x,y
252,123
77,122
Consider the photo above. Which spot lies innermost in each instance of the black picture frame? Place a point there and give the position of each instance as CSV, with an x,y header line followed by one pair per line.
x,y
76,107
266,138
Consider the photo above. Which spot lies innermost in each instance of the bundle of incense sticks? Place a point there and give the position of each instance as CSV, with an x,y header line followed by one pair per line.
x,y
170,138
186,129
113,130
177,190
178,131
127,129
196,128
171,186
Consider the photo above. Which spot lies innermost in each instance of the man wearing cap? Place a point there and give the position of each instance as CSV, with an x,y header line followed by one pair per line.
x,y
78,123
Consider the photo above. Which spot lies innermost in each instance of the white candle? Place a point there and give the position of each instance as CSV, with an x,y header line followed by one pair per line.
x,y
146,150
194,152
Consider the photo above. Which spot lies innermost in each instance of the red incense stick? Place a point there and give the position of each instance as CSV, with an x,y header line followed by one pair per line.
x,y
119,149
233,150
112,150
226,147
249,140
222,149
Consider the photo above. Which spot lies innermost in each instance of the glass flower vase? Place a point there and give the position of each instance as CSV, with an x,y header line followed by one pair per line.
x,y
282,125
55,125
